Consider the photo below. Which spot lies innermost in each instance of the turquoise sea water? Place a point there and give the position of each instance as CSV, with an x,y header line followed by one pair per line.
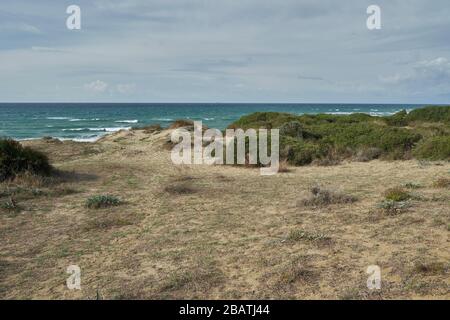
x,y
89,121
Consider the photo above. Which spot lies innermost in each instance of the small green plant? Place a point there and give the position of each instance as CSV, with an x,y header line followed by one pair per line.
x,y
102,201
397,194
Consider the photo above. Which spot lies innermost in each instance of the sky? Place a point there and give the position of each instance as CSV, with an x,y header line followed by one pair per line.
x,y
289,51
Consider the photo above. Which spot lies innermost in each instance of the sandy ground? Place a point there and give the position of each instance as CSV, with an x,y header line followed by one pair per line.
x,y
225,233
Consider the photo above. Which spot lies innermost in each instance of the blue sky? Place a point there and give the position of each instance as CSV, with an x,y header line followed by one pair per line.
x,y
225,51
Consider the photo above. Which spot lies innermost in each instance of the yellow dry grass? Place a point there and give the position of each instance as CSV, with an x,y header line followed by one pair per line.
x,y
220,231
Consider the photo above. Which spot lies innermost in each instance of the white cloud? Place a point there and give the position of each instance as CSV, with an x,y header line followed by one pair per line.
x,y
97,86
426,77
126,88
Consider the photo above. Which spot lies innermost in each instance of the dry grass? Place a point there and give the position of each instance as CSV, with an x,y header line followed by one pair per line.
x,y
236,235
180,189
442,183
283,167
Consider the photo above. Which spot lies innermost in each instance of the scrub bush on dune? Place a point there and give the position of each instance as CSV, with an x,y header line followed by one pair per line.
x,y
16,159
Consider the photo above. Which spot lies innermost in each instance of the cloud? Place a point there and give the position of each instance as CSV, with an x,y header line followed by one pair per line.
x,y
97,86
430,77
20,28
127,88
247,50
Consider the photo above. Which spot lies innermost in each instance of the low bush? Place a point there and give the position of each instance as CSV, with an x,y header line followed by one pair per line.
x,y
323,197
16,159
391,207
102,201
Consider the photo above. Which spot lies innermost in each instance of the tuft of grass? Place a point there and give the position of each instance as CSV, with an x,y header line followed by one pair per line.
x,y
11,205
412,185
301,235
294,273
430,268
391,207
199,278
324,197
106,224
397,194
180,189
102,201
442,183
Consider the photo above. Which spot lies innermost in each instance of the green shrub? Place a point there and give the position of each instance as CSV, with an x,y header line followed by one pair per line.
x,y
433,148
326,138
102,201
430,114
15,159
293,129
398,119
397,194
266,120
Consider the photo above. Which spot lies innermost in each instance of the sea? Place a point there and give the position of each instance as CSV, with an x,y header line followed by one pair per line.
x,y
90,121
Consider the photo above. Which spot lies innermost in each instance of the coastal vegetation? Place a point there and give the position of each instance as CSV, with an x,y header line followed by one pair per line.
x,y
328,139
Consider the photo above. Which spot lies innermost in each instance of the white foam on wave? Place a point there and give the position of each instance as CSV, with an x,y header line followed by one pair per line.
x,y
116,129
58,118
163,119
127,121
112,129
